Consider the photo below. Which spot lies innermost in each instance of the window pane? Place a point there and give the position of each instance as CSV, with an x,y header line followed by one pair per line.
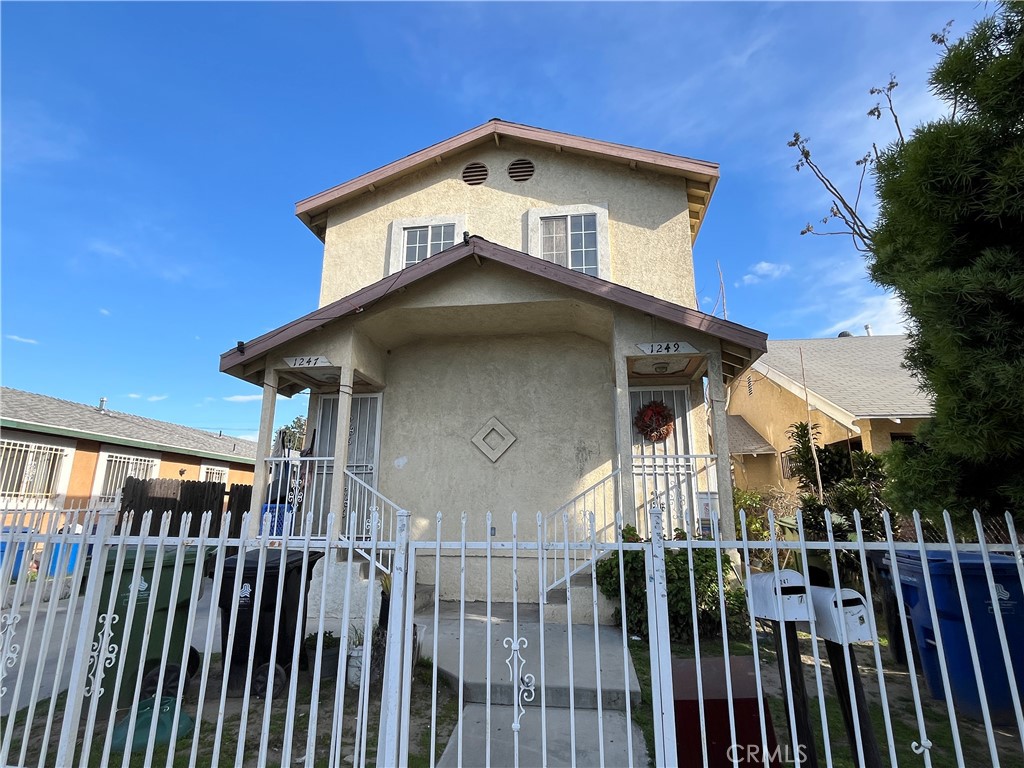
x,y
583,248
553,240
441,237
415,245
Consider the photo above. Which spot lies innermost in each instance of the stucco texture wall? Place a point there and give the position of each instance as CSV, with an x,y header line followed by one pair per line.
x,y
771,410
649,229
553,392
878,432
83,472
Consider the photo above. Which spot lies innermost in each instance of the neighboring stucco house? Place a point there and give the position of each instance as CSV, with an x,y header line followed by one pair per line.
x,y
858,391
494,310
55,453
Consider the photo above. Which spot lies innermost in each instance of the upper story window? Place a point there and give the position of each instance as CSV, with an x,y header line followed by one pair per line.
x,y
573,236
571,241
422,242
411,241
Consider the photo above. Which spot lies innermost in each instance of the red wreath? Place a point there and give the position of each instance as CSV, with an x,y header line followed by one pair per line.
x,y
655,421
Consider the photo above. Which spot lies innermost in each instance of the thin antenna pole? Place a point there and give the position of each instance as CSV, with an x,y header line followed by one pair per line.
x,y
721,290
810,430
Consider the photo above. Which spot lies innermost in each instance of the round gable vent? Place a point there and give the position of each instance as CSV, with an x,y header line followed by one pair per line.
x,y
474,174
521,169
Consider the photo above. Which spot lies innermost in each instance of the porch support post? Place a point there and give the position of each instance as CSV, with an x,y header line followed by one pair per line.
x,y
263,447
343,356
720,434
623,433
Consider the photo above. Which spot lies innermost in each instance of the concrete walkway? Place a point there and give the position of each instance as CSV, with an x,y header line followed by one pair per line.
x,y
596,667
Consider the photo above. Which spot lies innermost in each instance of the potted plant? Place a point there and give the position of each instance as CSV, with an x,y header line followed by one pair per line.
x,y
329,657
354,663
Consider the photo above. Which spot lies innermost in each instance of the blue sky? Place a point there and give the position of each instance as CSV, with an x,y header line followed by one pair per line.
x,y
152,155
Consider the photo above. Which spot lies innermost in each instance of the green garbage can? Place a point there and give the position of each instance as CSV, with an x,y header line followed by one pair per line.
x,y
169,617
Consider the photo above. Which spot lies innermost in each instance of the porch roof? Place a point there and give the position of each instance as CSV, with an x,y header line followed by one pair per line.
x,y
741,345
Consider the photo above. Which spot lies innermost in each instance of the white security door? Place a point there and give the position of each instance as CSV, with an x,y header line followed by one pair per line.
x,y
663,471
363,439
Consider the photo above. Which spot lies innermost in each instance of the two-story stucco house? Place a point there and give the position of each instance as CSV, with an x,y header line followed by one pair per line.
x,y
494,311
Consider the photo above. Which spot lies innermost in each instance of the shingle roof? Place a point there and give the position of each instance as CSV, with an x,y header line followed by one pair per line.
x,y
28,410
744,439
861,374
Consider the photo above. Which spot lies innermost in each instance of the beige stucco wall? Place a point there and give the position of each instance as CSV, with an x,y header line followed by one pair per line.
x,y
878,432
771,410
649,229
552,392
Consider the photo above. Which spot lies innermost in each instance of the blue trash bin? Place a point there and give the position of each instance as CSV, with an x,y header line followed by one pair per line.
x,y
277,514
19,551
1010,597
54,555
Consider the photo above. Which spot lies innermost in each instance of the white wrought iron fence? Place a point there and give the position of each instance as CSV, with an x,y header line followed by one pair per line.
x,y
164,650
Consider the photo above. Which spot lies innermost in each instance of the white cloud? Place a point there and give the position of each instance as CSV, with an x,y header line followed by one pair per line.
x,y
21,339
104,312
243,398
883,313
254,436
156,398
134,395
764,270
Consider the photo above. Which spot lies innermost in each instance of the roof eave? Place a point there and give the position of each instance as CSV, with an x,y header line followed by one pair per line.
x,y
49,429
702,175
235,361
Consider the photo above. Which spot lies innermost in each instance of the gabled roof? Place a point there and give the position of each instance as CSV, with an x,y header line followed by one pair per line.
x,y
32,412
701,175
862,376
744,439
744,343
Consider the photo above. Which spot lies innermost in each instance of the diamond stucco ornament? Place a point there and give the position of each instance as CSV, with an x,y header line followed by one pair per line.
x,y
493,439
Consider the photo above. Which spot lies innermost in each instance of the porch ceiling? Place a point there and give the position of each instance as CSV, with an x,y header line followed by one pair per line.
x,y
393,328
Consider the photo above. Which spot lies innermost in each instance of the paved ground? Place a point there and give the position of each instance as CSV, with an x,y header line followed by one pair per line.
x,y
591,661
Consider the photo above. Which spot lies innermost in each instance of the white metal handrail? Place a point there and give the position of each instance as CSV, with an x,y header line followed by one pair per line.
x,y
684,486
591,514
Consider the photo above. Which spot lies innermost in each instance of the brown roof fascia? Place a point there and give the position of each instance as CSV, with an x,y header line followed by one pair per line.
x,y
699,170
478,246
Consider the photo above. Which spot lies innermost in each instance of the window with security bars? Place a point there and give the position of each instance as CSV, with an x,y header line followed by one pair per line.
x,y
120,468
571,241
423,242
787,467
215,475
28,470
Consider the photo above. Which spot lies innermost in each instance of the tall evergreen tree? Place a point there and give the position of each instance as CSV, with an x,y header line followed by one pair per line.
x,y
949,240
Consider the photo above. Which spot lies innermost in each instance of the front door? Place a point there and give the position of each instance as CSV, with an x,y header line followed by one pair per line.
x,y
363,440
664,471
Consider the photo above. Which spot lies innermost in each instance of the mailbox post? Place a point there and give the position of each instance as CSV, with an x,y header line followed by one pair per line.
x,y
840,617
783,601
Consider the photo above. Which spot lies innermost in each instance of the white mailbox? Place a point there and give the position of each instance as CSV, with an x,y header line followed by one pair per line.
x,y
833,608
768,593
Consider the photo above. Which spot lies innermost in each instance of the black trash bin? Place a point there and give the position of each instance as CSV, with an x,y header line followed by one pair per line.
x,y
269,674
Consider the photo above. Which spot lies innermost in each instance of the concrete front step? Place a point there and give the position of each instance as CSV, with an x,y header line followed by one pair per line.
x,y
559,748
591,660
582,594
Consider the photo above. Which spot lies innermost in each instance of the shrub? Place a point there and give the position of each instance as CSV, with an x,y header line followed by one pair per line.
x,y
677,575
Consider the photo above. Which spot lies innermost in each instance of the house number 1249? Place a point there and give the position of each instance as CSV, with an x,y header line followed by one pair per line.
x,y
666,348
